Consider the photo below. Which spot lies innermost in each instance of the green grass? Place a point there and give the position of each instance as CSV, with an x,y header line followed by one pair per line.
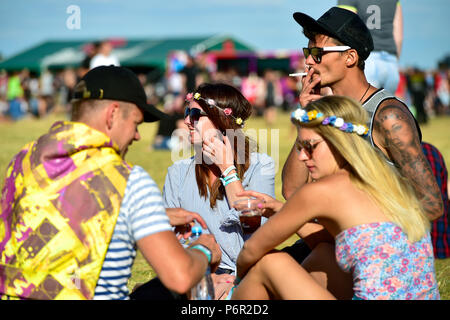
x,y
15,135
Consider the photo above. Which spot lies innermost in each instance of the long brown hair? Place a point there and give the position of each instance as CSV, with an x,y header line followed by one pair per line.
x,y
225,96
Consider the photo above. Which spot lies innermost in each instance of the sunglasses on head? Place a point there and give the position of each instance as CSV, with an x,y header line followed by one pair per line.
x,y
317,53
194,114
307,146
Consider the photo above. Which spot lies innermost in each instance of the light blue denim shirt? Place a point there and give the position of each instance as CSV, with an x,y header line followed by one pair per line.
x,y
181,191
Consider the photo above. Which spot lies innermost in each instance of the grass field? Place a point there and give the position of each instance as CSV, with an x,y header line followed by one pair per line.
x,y
15,135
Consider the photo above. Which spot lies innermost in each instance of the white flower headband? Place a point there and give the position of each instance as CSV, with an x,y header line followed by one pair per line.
x,y
301,115
211,103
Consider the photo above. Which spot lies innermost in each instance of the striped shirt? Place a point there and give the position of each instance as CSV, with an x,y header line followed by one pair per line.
x,y
142,213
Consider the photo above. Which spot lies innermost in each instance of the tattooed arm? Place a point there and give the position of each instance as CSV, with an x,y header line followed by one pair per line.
x,y
396,135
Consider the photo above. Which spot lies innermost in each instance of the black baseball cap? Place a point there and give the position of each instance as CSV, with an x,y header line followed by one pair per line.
x,y
343,25
116,83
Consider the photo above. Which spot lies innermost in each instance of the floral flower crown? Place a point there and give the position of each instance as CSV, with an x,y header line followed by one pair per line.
x,y
211,103
301,115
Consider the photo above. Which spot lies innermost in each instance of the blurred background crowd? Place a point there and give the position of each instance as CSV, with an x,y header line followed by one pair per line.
x,y
269,89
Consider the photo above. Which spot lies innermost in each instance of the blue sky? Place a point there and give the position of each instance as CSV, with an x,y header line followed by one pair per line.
x,y
264,24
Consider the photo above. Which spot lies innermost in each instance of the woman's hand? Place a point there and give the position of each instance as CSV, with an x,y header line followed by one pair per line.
x,y
219,152
269,206
222,285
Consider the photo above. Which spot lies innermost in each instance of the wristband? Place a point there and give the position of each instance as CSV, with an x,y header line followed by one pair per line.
x,y
203,249
229,178
233,179
228,170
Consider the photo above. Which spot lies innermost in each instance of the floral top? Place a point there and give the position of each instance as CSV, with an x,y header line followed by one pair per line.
x,y
385,265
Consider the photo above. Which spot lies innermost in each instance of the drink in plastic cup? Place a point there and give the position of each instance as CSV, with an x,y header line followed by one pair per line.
x,y
249,214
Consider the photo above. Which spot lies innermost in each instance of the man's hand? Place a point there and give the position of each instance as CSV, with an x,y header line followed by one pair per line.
x,y
310,88
209,241
183,221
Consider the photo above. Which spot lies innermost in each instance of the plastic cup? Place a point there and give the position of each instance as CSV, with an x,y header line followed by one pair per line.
x,y
249,214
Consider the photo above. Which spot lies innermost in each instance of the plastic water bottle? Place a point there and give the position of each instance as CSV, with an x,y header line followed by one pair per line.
x,y
204,289
196,232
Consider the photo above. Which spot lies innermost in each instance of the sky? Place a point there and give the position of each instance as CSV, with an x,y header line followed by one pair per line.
x,y
263,24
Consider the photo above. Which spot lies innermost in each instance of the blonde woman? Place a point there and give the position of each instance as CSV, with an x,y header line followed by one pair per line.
x,y
380,229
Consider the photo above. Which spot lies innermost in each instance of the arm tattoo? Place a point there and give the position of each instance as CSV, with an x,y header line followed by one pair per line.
x,y
397,130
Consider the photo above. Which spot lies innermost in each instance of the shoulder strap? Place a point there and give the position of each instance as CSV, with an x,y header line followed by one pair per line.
x,y
375,100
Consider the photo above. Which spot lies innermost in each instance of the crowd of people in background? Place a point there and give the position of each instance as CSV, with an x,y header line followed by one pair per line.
x,y
426,91
24,93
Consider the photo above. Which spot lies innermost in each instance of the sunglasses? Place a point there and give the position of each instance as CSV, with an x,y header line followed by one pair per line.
x,y
194,114
307,146
317,53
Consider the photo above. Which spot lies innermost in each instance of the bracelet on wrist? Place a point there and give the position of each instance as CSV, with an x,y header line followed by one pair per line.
x,y
233,179
231,176
227,179
228,170
203,249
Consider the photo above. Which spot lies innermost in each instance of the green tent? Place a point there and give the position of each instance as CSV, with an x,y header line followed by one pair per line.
x,y
131,53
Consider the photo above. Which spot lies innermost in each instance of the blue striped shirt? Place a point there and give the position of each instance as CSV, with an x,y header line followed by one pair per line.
x,y
141,214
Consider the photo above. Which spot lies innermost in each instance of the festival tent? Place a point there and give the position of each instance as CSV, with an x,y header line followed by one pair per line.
x,y
151,53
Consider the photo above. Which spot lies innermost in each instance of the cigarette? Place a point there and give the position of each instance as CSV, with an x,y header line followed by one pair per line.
x,y
300,74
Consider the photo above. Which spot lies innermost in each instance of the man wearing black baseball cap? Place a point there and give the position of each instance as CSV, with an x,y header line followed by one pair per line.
x,y
349,29
86,210
113,90
116,83
339,43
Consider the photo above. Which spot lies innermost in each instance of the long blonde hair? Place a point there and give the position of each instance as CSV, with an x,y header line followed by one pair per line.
x,y
369,170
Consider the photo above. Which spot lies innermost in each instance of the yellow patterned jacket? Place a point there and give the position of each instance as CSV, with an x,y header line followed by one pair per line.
x,y
59,207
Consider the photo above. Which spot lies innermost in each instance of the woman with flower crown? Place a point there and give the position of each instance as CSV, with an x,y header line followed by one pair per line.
x,y
225,163
382,240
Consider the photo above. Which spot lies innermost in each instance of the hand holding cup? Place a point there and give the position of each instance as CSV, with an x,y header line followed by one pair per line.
x,y
249,213
267,205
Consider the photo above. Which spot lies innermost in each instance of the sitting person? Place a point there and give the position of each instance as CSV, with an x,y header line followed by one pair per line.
x,y
74,212
224,165
381,232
